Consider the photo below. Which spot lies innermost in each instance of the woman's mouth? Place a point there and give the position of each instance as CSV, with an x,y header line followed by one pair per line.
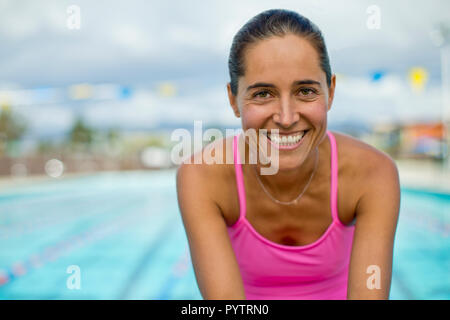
x,y
287,142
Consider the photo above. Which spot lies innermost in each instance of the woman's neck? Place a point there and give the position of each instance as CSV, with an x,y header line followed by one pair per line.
x,y
286,184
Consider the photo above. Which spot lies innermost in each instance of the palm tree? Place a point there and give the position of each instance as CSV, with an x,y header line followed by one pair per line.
x,y
81,135
12,129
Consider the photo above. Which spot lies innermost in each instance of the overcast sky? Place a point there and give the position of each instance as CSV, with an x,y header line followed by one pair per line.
x,y
132,41
136,42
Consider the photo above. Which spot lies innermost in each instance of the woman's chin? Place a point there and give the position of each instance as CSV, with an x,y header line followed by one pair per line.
x,y
289,164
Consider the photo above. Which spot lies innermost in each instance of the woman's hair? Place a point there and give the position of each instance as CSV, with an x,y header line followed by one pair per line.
x,y
275,22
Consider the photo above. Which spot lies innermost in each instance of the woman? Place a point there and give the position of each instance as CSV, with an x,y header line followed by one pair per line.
x,y
290,235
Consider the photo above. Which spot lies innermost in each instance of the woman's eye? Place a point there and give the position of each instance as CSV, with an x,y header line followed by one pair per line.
x,y
262,94
307,92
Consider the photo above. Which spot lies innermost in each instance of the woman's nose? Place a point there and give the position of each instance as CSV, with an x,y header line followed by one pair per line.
x,y
286,115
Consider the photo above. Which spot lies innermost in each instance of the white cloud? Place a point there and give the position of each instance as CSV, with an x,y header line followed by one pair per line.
x,y
388,99
136,41
178,34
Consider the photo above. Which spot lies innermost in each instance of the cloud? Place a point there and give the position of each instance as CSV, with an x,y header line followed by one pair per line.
x,y
141,43
389,100
143,40
148,110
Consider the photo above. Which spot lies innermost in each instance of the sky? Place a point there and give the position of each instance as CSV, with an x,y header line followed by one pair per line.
x,y
143,43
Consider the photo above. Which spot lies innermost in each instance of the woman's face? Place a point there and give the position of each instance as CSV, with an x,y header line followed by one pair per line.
x,y
284,88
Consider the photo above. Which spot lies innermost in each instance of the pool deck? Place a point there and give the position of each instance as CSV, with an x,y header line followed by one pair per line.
x,y
424,175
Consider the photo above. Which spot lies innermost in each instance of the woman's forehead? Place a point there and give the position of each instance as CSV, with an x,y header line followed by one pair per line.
x,y
290,57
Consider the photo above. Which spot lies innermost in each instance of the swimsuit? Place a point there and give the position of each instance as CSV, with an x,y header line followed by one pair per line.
x,y
316,271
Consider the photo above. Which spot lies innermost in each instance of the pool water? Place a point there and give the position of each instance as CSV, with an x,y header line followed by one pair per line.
x,y
422,247
124,232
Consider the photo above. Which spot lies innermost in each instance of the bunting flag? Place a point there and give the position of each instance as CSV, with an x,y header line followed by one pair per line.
x,y
86,91
166,89
125,92
418,78
377,75
80,91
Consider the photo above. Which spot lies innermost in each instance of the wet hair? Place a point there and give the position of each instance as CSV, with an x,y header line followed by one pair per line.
x,y
275,22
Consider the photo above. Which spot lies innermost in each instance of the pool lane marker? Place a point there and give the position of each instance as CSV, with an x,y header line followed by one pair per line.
x,y
179,270
150,252
52,253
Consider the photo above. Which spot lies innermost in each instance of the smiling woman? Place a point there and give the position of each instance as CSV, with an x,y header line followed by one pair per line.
x,y
290,235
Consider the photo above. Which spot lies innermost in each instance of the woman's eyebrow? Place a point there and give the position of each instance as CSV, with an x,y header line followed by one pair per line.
x,y
260,84
306,81
295,83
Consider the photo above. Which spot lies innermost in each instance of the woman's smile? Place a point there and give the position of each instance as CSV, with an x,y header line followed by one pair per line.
x,y
283,141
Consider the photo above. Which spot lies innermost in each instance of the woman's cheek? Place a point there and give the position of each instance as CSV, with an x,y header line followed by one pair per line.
x,y
318,112
252,117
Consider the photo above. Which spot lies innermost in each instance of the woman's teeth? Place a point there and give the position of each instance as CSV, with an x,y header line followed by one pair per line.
x,y
283,140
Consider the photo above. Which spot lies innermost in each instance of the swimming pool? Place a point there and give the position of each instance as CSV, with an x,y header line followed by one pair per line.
x,y
124,232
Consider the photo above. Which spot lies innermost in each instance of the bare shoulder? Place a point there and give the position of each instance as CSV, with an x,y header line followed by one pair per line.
x,y
207,170
363,162
210,158
358,153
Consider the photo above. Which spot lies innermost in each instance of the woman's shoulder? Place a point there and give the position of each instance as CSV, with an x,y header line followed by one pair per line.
x,y
216,179
355,153
213,155
212,165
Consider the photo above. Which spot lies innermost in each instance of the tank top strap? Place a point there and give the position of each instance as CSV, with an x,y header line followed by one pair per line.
x,y
334,177
239,178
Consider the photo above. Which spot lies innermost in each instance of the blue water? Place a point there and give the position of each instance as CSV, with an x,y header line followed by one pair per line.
x,y
124,232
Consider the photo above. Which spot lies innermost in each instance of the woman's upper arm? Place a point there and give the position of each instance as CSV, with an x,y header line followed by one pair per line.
x,y
213,258
376,221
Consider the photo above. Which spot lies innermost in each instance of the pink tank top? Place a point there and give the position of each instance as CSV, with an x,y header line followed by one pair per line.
x,y
316,271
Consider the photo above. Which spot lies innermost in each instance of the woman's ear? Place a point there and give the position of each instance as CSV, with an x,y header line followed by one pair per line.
x,y
233,101
331,91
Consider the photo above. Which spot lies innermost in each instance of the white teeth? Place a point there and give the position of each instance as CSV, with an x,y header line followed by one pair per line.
x,y
286,140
